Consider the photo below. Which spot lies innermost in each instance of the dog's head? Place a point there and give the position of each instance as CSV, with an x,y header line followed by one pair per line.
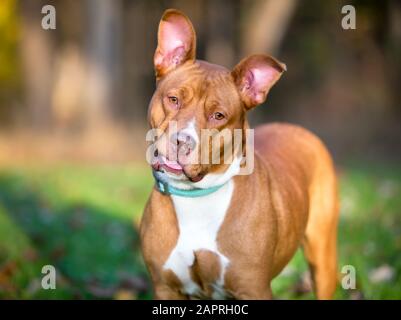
x,y
196,101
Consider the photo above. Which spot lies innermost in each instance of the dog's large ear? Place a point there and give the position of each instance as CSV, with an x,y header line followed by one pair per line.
x,y
254,76
176,42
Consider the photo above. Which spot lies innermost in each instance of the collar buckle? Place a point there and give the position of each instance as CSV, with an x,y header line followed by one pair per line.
x,y
163,187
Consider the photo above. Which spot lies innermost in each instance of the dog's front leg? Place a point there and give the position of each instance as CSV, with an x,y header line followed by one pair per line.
x,y
242,284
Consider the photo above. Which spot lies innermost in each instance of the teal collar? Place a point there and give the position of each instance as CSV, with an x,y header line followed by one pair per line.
x,y
167,189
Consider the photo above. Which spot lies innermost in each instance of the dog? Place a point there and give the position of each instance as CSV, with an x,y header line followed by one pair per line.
x,y
208,231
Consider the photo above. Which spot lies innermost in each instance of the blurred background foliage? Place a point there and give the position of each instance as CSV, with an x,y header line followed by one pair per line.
x,y
73,103
9,62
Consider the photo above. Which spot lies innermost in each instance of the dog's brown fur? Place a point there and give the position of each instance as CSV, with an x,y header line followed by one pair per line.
x,y
289,200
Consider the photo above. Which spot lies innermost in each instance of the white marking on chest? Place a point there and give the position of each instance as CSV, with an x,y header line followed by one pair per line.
x,y
199,220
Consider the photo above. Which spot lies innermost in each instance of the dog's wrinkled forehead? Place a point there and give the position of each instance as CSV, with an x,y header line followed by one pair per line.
x,y
199,89
206,81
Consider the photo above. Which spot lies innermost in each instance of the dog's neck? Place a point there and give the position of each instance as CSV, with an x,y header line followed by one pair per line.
x,y
211,180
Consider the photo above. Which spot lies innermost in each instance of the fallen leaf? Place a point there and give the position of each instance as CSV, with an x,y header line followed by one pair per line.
x,y
124,294
356,295
304,285
137,283
384,273
101,292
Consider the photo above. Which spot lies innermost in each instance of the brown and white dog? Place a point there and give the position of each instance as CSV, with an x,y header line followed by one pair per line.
x,y
231,242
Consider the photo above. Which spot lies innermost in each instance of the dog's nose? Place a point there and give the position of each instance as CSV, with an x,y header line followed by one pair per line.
x,y
183,142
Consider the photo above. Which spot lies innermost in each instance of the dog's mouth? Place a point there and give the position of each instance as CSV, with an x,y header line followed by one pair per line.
x,y
171,166
163,164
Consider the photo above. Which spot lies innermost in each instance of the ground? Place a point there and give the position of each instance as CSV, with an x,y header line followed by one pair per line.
x,y
83,220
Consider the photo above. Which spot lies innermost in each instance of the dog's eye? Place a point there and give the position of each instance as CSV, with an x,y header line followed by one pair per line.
x,y
218,116
173,100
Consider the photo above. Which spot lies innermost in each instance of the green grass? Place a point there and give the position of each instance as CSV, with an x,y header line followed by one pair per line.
x,y
80,219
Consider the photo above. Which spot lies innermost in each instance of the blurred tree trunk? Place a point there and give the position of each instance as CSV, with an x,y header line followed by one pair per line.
x,y
221,32
102,51
137,59
394,51
36,55
265,24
